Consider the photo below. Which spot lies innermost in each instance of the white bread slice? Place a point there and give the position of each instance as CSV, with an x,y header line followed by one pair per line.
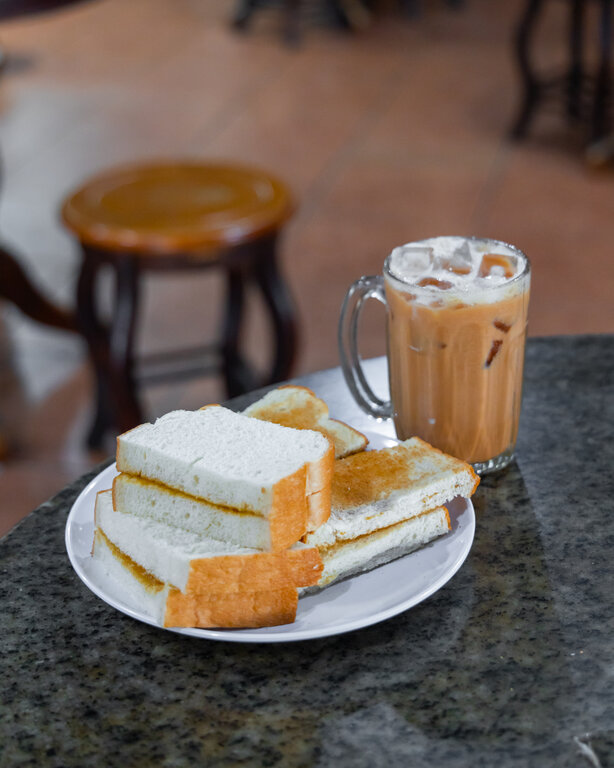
x,y
300,408
232,460
193,563
349,558
169,607
376,489
319,471
150,500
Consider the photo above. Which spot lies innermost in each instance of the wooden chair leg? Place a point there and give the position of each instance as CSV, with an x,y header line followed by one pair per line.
x,y
127,410
575,77
530,84
96,337
600,119
238,376
243,14
281,308
292,22
15,285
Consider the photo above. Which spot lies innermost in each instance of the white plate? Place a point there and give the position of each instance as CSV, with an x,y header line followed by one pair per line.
x,y
348,605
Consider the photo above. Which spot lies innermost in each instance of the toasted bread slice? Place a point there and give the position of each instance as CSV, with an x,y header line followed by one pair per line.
x,y
350,558
299,407
376,489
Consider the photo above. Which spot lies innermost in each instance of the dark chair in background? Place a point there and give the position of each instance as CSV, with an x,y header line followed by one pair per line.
x,y
177,217
344,14
586,96
353,15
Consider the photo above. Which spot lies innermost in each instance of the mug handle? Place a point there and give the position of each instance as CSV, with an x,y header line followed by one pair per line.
x,y
364,288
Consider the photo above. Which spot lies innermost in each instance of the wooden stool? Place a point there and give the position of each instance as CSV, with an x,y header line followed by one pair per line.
x,y
170,217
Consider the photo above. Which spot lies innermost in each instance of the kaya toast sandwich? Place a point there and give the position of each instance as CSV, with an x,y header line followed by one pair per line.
x,y
238,466
184,579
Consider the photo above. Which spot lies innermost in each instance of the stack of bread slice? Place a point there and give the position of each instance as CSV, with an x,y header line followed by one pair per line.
x,y
203,522
386,504
220,519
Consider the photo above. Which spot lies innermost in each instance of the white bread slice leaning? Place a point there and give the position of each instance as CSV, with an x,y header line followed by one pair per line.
x,y
195,564
169,607
373,490
232,460
300,408
349,558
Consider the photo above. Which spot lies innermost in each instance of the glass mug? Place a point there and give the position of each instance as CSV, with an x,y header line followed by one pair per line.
x,y
456,330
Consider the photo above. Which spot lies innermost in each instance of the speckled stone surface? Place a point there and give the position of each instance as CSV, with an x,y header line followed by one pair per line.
x,y
510,664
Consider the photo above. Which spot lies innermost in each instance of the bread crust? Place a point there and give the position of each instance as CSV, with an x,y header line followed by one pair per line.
x,y
361,440
319,501
257,572
241,610
289,511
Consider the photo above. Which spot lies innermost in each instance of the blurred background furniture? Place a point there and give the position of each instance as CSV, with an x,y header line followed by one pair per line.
x,y
175,217
16,287
344,14
352,15
586,95
10,9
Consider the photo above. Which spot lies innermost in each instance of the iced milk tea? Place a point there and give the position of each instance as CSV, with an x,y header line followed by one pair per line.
x,y
457,317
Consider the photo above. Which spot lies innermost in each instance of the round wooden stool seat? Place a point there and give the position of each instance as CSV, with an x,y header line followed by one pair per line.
x,y
168,216
167,208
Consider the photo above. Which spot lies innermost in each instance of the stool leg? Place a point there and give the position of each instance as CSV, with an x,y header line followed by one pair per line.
x,y
530,83
97,340
575,78
237,374
127,410
292,33
281,307
600,124
16,286
243,14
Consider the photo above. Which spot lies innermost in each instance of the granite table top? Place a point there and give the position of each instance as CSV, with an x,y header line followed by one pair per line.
x,y
511,663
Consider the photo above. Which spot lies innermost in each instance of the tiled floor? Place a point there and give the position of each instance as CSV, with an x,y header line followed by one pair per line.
x,y
385,136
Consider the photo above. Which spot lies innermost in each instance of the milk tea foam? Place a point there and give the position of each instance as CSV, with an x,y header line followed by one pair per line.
x,y
456,333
